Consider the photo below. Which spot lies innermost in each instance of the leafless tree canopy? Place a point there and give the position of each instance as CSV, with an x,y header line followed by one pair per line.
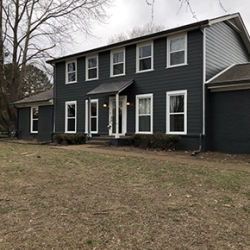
x,y
137,31
29,29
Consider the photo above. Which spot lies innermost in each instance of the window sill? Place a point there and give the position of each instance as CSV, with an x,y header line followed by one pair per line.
x,y
70,132
70,83
89,80
144,71
177,65
176,133
34,132
144,133
117,75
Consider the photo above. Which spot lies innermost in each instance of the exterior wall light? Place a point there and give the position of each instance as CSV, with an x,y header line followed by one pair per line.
x,y
105,105
128,103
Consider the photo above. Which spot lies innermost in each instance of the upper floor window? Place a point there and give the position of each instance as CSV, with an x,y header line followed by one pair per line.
x,y
117,62
144,61
71,72
92,68
70,117
177,112
177,50
34,120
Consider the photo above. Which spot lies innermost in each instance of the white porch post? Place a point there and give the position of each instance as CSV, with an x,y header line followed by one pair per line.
x,y
117,116
89,116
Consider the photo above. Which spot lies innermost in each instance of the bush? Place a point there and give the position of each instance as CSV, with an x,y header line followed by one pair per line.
x,y
156,141
69,139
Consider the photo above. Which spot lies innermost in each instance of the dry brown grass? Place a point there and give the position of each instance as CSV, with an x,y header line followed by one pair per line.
x,y
61,199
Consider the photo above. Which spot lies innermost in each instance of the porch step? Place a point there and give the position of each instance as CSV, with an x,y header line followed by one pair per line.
x,y
99,142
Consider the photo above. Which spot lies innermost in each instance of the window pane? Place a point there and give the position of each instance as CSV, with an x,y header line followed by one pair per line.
x,y
71,67
144,123
35,125
92,62
92,73
145,51
35,112
71,110
145,64
72,77
176,123
118,57
144,106
118,69
71,124
93,124
177,103
93,109
177,58
177,44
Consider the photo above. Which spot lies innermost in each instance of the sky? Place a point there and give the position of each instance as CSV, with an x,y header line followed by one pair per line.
x,y
125,14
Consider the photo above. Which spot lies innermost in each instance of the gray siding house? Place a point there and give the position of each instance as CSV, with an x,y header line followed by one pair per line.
x,y
180,81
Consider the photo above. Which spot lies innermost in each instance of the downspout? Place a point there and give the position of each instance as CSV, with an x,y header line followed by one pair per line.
x,y
200,147
54,104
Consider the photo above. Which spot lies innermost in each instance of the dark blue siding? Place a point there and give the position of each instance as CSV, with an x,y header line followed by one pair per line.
x,y
224,47
229,122
24,124
157,82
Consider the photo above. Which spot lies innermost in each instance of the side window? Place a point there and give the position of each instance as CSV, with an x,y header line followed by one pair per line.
x,y
177,112
70,117
117,63
144,57
177,50
93,116
144,114
91,68
34,120
71,72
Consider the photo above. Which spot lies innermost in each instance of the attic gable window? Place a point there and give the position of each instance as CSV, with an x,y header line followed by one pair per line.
x,y
34,120
71,72
91,68
177,50
145,58
117,63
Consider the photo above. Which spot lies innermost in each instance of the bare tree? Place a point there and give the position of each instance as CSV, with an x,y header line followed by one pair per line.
x,y
137,31
29,29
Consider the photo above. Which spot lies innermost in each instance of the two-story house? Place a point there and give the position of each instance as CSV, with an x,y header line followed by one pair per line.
x,y
193,81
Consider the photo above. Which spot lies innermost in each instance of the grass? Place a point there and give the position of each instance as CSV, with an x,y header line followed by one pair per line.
x,y
81,200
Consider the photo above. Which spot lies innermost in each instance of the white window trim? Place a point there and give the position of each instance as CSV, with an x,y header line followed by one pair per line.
x,y
137,97
112,63
173,93
137,57
67,73
168,50
87,69
33,119
66,116
86,115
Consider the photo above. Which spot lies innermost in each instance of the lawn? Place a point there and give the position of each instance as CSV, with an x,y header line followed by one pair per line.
x,y
53,198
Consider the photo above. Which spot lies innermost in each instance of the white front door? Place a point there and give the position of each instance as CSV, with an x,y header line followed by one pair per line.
x,y
122,115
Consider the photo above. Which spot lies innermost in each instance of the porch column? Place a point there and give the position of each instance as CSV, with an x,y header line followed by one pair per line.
x,y
117,116
89,117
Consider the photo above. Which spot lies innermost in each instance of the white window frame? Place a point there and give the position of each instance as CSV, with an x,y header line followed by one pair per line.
x,y
112,63
97,115
138,59
168,95
138,97
169,52
33,119
67,72
87,68
66,116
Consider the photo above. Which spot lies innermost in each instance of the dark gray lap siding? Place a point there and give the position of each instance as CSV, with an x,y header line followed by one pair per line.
x,y
157,82
229,122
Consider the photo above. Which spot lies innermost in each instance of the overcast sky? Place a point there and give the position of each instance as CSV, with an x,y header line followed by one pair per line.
x,y
125,14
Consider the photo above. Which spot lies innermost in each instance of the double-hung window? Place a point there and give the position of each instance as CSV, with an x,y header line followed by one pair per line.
x,y
177,112
71,72
91,67
144,114
117,62
34,120
144,61
177,50
93,116
70,117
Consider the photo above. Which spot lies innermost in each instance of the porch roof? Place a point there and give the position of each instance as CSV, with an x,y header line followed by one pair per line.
x,y
110,88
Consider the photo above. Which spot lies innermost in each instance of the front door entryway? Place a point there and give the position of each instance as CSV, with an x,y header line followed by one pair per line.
x,y
122,115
